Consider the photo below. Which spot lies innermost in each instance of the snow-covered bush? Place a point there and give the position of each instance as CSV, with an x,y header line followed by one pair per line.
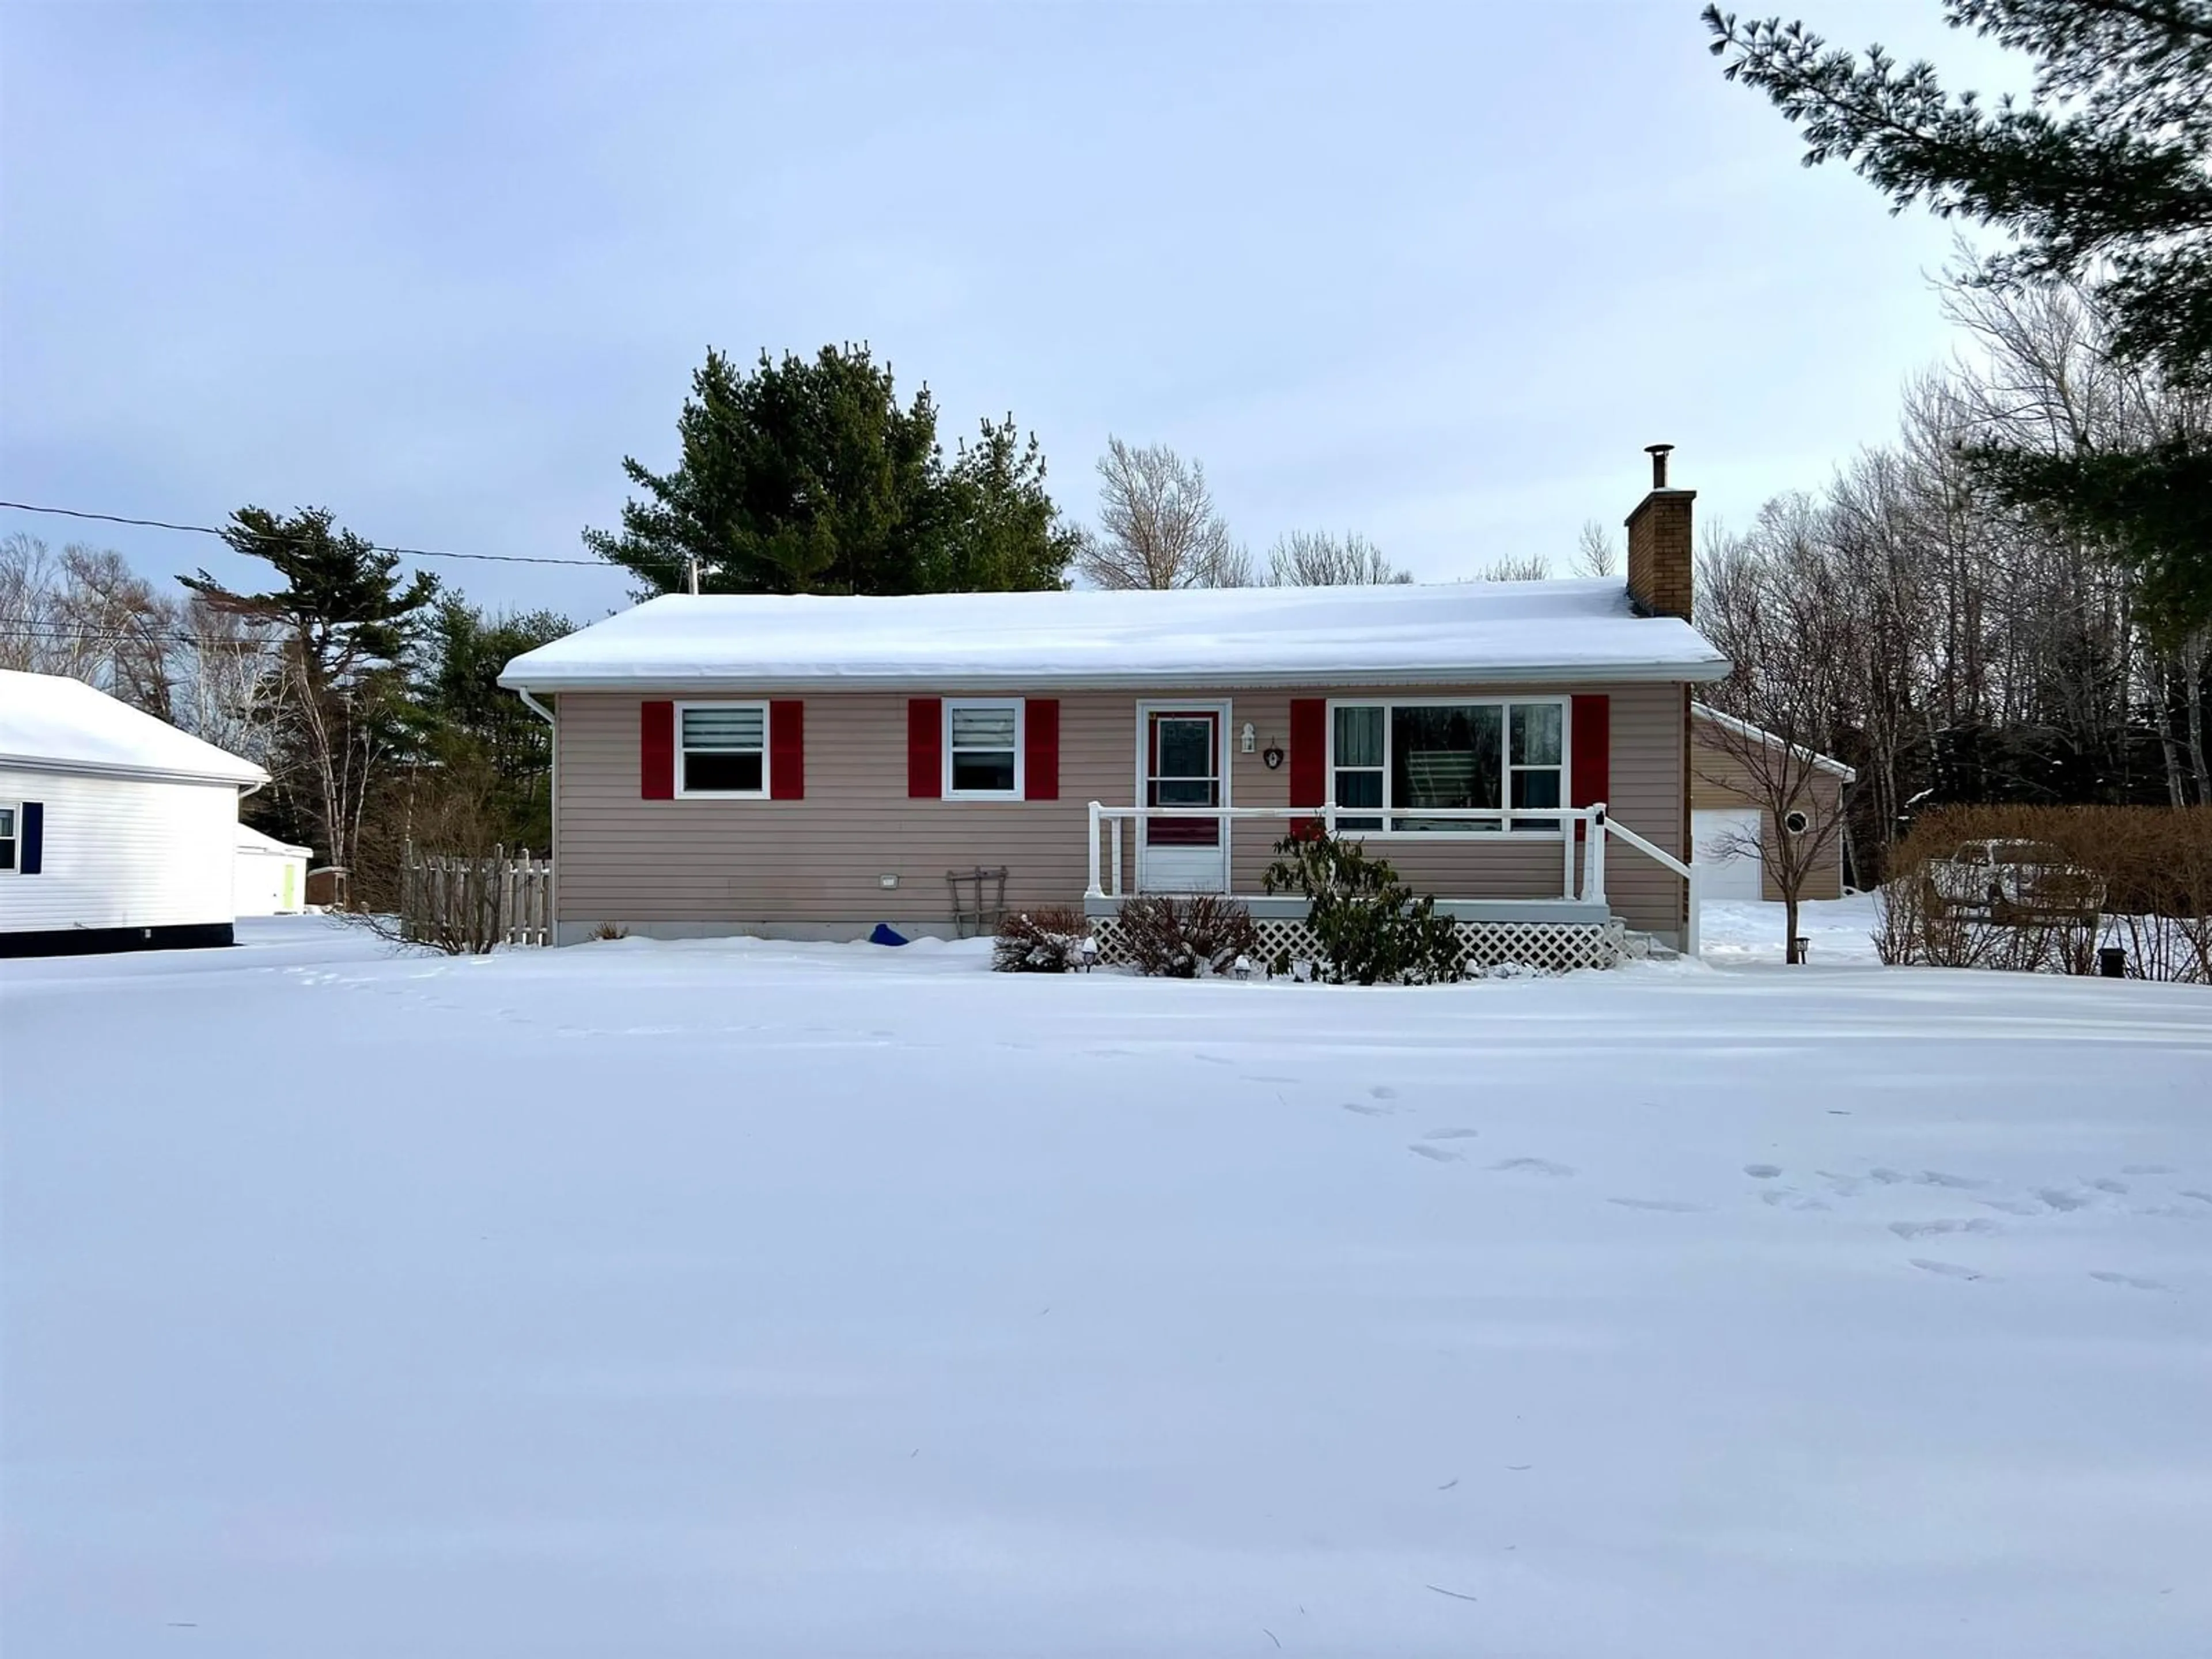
x,y
1187,937
1046,941
1370,928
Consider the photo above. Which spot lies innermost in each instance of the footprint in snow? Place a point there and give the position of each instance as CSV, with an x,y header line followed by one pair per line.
x,y
2127,1280
1762,1171
2192,1192
1382,1092
2148,1169
1947,1269
2108,1185
1366,1110
1437,1153
1451,1134
2012,1205
1887,1177
1671,1206
1931,1229
1783,1198
1938,1178
2059,1199
1542,1166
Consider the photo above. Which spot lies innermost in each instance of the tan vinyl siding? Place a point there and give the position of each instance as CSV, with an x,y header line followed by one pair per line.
x,y
632,862
1718,779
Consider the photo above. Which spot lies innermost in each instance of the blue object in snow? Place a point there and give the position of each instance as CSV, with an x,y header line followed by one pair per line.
x,y
884,934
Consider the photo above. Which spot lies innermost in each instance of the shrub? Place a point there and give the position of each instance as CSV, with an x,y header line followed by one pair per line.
x,y
610,930
1184,938
2154,865
1370,928
1046,941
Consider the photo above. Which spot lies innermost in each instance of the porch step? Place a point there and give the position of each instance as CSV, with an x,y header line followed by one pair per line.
x,y
1643,947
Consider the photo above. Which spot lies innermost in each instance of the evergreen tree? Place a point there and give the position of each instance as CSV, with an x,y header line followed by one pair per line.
x,y
346,619
812,478
2103,177
483,737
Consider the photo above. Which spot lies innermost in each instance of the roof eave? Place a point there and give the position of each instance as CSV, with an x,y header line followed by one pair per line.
x,y
256,778
1673,674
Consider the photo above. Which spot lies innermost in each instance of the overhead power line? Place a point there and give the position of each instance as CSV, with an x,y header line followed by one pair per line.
x,y
210,530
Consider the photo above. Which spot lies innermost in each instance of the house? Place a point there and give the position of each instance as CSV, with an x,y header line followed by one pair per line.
x,y
118,831
1731,822
809,767
269,877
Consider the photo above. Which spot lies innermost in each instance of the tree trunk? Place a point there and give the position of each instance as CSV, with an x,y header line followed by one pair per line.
x,y
1790,924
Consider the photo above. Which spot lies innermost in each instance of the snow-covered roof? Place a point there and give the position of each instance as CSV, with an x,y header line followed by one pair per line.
x,y
53,724
1821,763
1459,632
251,840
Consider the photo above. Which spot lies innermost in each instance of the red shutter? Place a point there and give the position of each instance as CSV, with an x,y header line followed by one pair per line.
x,y
786,750
1309,755
1591,759
656,751
925,748
1041,749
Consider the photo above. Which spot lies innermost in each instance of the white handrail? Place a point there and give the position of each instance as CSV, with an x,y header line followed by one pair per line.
x,y
1692,932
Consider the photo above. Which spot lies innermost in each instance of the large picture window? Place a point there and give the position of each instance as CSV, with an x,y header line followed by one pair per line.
x,y
722,749
983,749
1411,761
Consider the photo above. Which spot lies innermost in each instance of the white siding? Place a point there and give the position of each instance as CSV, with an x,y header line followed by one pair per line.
x,y
270,883
123,854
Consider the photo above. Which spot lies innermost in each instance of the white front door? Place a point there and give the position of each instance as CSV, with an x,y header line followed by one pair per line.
x,y
1724,843
1183,767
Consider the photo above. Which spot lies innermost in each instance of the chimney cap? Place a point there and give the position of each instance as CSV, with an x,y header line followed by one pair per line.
x,y
1658,452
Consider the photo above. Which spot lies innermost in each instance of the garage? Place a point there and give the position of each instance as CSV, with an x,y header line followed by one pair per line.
x,y
1724,844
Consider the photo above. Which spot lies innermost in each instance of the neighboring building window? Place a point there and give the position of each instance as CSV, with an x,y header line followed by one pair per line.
x,y
10,820
983,749
1401,758
721,749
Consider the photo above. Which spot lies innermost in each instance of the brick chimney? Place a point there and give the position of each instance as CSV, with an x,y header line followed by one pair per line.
x,y
1659,546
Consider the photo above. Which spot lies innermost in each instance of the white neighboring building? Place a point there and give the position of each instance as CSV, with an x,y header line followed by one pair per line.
x,y
117,832
271,875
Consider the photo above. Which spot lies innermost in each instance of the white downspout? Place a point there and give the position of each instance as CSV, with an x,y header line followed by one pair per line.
x,y
552,816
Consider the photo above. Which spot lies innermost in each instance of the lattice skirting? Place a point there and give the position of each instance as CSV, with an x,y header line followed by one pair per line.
x,y
1542,947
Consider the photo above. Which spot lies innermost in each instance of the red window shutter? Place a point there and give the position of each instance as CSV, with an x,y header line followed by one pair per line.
x,y
925,748
1591,760
1308,750
1041,749
656,751
786,750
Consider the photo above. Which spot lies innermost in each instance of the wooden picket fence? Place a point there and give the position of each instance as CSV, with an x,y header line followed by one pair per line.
x,y
469,905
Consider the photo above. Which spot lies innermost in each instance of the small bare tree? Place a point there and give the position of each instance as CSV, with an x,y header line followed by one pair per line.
x,y
1314,558
1596,554
1783,611
1518,568
1158,524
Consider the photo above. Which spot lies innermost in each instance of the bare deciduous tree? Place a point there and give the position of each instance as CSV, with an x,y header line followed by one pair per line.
x,y
1517,568
1158,524
1315,558
1783,608
1596,554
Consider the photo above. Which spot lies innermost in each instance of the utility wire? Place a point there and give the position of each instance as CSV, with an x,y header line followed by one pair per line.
x,y
209,530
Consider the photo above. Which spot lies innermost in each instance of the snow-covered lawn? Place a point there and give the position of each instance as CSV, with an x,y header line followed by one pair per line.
x,y
645,1301
1837,933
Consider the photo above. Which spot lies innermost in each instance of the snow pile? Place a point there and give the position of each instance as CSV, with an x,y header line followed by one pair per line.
x,y
730,1297
1399,634
48,721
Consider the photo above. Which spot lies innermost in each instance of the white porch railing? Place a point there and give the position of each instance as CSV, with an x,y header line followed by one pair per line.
x,y
1105,874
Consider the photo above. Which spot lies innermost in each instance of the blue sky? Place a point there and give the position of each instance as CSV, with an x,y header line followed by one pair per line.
x,y
1432,273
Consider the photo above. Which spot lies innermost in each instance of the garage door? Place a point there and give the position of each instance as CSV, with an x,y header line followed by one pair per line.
x,y
1723,873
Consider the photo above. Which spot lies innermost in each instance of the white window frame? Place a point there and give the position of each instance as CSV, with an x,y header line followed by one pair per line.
x,y
1020,791
15,866
1554,832
767,759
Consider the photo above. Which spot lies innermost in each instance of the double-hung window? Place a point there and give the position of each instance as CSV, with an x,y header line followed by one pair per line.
x,y
722,749
11,820
1424,769
983,749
